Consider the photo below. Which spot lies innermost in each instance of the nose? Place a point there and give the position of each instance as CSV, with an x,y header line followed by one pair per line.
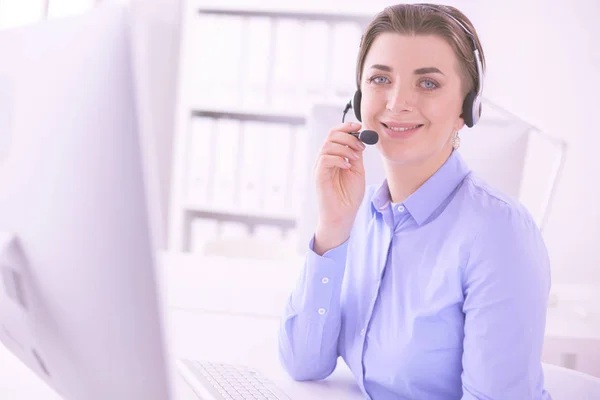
x,y
401,98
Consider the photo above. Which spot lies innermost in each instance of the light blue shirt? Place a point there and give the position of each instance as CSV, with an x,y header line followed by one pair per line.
x,y
440,297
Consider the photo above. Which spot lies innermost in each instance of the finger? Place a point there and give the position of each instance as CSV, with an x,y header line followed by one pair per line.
x,y
340,150
346,139
347,127
328,161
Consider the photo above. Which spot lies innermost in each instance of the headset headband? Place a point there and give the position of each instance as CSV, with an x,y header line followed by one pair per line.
x,y
475,48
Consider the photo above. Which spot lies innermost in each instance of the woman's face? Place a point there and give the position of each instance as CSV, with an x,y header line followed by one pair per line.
x,y
408,81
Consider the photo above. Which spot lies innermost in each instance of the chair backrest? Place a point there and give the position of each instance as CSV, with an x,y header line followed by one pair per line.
x,y
508,153
567,384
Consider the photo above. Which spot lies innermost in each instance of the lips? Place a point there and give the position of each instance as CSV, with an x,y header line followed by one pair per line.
x,y
396,126
396,130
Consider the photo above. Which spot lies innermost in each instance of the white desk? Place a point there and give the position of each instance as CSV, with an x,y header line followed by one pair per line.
x,y
251,341
199,335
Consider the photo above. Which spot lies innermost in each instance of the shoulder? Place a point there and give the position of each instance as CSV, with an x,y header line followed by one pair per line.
x,y
496,212
506,239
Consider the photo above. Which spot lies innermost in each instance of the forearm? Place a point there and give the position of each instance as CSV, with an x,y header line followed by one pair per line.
x,y
310,326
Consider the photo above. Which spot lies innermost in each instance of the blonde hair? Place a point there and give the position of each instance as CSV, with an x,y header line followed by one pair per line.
x,y
421,19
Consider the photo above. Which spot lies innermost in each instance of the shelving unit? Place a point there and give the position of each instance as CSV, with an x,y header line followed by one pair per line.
x,y
227,96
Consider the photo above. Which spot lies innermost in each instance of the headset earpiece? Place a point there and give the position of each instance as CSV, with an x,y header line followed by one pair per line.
x,y
468,114
471,109
356,104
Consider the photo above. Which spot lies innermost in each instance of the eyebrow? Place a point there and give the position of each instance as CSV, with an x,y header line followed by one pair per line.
x,y
418,71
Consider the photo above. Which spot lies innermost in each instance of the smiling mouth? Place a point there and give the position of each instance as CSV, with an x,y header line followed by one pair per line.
x,y
402,129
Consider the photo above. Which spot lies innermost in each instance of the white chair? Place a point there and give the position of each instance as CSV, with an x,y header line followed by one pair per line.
x,y
568,384
506,151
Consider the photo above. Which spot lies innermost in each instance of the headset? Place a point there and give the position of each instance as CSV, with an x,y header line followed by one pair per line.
x,y
472,102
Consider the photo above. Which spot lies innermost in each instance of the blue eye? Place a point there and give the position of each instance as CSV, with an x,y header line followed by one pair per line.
x,y
378,79
433,84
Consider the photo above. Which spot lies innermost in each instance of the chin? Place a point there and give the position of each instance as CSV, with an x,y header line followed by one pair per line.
x,y
414,149
401,154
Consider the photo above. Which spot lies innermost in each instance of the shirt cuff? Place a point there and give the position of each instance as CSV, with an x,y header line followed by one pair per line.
x,y
336,254
320,287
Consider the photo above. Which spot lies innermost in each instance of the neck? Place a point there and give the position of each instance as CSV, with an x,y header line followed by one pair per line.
x,y
404,179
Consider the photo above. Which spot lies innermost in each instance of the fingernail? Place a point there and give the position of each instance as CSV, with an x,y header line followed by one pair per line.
x,y
355,124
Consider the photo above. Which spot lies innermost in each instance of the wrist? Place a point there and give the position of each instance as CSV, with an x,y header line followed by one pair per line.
x,y
328,237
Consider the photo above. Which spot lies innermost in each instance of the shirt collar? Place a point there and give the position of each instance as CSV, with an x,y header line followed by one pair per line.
x,y
427,198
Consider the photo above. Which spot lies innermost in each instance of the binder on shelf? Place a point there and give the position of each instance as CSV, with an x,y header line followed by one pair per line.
x,y
220,67
316,59
301,169
200,159
252,167
226,165
286,87
277,167
201,73
256,60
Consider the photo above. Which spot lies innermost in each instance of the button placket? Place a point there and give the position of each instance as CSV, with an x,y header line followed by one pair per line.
x,y
369,314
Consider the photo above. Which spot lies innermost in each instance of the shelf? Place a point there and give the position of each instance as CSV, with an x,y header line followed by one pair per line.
x,y
285,220
288,13
258,115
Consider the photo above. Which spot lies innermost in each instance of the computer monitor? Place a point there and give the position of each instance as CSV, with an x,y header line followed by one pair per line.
x,y
79,300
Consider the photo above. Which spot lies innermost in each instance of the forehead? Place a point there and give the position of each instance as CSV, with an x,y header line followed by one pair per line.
x,y
410,52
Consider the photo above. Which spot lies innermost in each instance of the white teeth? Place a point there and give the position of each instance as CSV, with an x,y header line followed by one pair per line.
x,y
403,129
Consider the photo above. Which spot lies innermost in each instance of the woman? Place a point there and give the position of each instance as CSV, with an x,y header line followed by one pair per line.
x,y
432,285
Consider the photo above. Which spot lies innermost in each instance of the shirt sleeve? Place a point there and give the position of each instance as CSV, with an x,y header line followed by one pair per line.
x,y
310,325
507,283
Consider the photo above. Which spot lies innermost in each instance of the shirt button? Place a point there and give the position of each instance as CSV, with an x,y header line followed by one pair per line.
x,y
400,208
362,332
325,280
321,311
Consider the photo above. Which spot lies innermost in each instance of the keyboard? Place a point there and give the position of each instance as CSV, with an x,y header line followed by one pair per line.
x,y
215,381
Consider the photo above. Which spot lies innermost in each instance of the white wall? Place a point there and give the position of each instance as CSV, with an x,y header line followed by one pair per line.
x,y
544,67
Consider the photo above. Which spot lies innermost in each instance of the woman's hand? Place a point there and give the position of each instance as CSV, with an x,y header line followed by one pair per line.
x,y
340,185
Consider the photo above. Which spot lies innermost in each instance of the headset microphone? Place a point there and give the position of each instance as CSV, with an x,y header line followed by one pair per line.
x,y
366,136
